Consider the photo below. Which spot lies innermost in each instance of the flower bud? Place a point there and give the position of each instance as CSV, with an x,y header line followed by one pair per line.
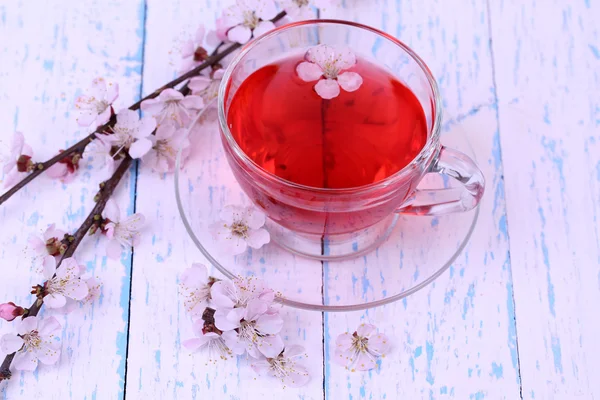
x,y
10,311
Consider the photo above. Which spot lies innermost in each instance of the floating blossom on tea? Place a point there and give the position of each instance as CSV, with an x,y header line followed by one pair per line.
x,y
326,62
249,18
16,159
63,282
96,106
50,243
360,350
239,228
165,145
196,286
172,107
36,340
9,311
120,232
285,367
131,133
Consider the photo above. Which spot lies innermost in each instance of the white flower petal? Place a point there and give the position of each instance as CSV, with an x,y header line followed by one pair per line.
x,y
195,276
27,325
232,340
165,131
223,321
193,344
254,309
321,55
294,351
139,148
98,88
365,361
296,378
25,361
266,9
145,128
49,266
127,118
55,300
240,34
221,294
76,289
193,102
261,367
231,214
48,353
68,269
152,106
344,342
113,250
111,211
258,238
103,117
10,343
350,81
308,71
254,218
269,323
262,28
365,330
379,344
327,88
235,245
344,58
199,83
112,92
270,346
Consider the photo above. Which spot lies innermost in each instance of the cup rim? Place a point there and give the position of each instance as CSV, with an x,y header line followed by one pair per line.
x,y
425,152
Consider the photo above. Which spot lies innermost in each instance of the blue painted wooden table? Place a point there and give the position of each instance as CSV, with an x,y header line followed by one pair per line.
x,y
516,315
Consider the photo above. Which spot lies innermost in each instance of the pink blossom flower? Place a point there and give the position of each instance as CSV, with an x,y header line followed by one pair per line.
x,y
239,228
100,153
120,232
65,169
285,367
256,329
172,107
361,349
298,10
131,133
239,292
16,159
96,105
63,282
220,33
326,61
192,52
36,340
195,286
249,18
209,340
50,242
165,146
9,311
207,87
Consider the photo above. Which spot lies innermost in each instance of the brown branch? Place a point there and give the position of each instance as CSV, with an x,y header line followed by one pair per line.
x,y
80,146
106,192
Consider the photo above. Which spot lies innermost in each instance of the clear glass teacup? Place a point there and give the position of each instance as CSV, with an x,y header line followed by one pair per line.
x,y
329,223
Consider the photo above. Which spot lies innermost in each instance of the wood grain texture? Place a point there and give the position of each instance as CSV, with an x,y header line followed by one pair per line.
x,y
51,50
455,338
548,75
158,365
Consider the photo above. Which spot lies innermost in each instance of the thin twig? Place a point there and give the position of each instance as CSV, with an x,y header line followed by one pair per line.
x,y
105,193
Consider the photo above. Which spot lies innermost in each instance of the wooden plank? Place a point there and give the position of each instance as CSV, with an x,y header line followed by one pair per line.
x,y
50,52
548,75
158,365
456,338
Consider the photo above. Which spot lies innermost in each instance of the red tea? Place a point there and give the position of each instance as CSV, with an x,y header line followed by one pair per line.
x,y
352,140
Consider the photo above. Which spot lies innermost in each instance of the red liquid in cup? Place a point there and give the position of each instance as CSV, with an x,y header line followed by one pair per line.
x,y
353,140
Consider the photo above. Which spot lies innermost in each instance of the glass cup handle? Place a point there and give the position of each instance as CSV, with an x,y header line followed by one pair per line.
x,y
456,165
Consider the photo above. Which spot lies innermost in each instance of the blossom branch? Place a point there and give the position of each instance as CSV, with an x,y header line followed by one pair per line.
x,y
106,191
82,144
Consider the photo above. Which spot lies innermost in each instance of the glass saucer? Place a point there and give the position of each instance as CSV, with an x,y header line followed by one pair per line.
x,y
418,249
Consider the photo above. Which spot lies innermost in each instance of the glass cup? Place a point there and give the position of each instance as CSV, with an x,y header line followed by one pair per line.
x,y
333,224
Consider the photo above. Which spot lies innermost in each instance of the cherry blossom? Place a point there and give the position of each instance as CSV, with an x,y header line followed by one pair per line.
x,y
96,106
16,159
298,10
36,340
211,339
9,311
100,153
361,349
249,18
50,243
207,87
195,286
121,232
256,329
327,62
192,51
239,228
63,282
173,107
131,133
285,367
65,169
238,293
165,145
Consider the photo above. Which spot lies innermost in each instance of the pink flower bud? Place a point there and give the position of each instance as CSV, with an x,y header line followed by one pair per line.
x,y
10,311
